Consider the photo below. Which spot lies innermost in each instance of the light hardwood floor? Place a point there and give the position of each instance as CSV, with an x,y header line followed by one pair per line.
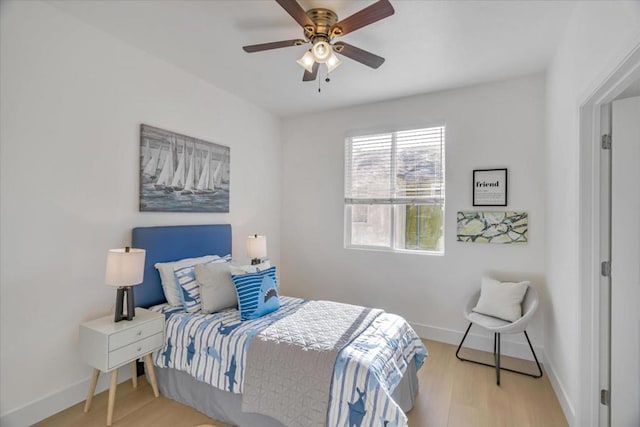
x,y
462,394
452,394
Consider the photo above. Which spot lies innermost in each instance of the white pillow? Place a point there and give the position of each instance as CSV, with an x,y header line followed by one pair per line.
x,y
501,299
169,285
216,287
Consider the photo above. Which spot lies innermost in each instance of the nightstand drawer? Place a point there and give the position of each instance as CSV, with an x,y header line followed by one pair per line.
x,y
133,351
135,334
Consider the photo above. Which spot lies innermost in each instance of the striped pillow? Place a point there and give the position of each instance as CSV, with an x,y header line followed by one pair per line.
x,y
170,287
257,293
189,287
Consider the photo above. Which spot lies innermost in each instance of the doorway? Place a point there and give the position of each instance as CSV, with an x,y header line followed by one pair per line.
x,y
609,337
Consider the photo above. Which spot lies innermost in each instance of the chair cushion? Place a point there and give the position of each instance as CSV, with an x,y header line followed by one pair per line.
x,y
487,322
502,300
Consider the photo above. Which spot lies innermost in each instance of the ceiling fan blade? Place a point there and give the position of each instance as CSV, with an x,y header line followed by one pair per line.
x,y
311,76
364,17
297,12
273,45
357,54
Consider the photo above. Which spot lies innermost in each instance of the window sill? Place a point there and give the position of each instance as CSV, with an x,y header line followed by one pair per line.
x,y
397,251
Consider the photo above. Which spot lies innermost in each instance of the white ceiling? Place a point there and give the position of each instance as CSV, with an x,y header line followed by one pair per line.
x,y
428,45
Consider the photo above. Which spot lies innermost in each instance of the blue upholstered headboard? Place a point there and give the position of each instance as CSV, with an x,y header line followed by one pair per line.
x,y
171,243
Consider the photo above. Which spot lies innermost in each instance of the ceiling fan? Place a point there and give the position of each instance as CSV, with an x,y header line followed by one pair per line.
x,y
320,27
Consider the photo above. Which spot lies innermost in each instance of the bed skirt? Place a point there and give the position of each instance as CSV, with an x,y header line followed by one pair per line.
x,y
225,406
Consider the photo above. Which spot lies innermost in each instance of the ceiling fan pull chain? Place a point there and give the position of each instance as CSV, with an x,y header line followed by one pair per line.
x,y
326,79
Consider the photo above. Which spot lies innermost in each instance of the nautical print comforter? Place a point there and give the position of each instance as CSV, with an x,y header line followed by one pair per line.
x,y
213,349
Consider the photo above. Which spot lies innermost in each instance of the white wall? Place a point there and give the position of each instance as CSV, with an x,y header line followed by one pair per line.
x,y
598,36
492,125
72,102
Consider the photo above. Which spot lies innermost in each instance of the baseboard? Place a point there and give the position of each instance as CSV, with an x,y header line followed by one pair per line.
x,y
56,401
561,394
479,341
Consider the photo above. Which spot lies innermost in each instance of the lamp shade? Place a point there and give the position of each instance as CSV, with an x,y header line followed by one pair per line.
x,y
321,51
307,61
125,267
257,246
333,62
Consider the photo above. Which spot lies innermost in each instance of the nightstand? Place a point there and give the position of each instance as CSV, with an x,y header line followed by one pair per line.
x,y
106,346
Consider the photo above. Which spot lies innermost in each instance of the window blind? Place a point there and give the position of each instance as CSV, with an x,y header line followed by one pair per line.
x,y
404,167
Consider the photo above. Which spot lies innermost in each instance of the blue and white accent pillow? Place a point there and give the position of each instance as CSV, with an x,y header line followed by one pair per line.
x,y
257,293
170,287
189,287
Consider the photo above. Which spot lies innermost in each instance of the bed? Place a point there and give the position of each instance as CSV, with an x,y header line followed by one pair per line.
x,y
228,368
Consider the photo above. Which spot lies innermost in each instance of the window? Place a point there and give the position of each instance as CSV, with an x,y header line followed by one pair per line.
x,y
394,191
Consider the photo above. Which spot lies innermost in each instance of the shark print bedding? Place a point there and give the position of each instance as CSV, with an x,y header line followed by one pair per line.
x,y
213,348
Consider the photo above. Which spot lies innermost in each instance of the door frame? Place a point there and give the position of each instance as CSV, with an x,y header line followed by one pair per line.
x,y
589,237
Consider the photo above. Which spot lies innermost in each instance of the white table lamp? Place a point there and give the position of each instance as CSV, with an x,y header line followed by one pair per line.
x,y
256,248
125,268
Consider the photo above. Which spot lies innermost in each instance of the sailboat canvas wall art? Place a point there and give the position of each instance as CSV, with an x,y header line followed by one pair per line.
x,y
179,173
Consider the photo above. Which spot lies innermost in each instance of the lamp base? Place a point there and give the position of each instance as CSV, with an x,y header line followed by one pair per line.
x,y
119,315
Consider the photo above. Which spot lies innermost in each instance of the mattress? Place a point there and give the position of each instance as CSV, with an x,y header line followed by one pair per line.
x,y
374,374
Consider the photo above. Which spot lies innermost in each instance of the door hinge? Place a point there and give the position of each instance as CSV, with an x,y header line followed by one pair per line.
x,y
605,268
605,142
605,397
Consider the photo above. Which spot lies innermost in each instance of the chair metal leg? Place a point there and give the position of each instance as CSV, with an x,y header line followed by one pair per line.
x,y
534,356
495,335
463,338
496,352
498,362
469,360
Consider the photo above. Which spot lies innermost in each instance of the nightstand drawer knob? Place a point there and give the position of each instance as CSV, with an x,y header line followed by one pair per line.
x,y
139,349
139,333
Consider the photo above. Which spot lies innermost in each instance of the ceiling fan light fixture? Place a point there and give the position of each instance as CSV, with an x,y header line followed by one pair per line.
x,y
333,62
307,61
320,26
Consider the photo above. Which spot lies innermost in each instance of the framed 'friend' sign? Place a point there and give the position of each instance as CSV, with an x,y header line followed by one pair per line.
x,y
490,187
